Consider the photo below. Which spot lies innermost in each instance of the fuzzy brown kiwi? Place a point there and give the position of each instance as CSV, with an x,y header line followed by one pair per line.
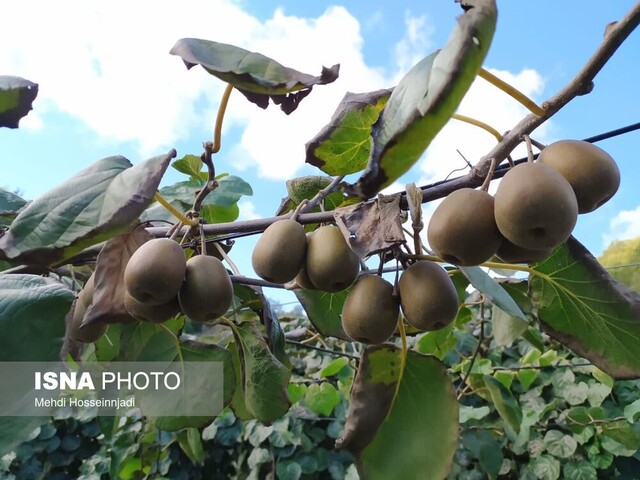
x,y
591,172
331,264
428,297
151,313
279,253
87,333
535,207
370,311
207,291
463,229
510,253
155,271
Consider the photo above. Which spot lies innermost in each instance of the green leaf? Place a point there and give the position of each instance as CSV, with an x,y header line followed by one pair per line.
x,y
288,470
305,188
33,310
322,398
334,367
191,444
258,77
506,328
10,203
473,413
96,204
559,445
426,97
324,310
147,342
527,376
438,343
545,467
486,449
580,305
344,145
581,470
190,165
623,433
295,392
229,190
217,214
506,405
493,291
420,432
631,411
265,378
16,97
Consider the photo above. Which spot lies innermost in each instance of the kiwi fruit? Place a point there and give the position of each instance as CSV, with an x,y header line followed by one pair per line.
x,y
331,264
155,271
87,333
428,297
370,311
535,206
279,253
463,229
510,253
592,173
207,292
151,313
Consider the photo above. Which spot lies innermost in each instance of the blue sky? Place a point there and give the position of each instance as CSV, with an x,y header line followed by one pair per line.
x,y
109,87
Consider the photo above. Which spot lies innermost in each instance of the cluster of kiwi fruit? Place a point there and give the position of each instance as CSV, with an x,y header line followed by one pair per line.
x,y
425,294
160,283
319,260
533,211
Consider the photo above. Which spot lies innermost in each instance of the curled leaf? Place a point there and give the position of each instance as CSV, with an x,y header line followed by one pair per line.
x,y
99,202
258,77
16,97
372,226
426,97
343,146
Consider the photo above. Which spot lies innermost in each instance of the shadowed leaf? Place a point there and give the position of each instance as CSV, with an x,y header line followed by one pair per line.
x,y
344,145
324,310
16,97
229,190
109,290
258,77
426,97
505,403
265,378
10,204
493,291
420,432
582,306
96,204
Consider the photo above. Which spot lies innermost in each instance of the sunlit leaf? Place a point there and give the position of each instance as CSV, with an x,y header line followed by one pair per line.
x,y
344,145
229,190
580,305
96,204
258,77
190,165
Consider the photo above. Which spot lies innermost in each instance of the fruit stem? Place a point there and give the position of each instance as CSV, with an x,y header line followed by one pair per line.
x,y
478,123
527,141
217,134
203,240
507,266
163,201
234,267
513,92
322,194
489,177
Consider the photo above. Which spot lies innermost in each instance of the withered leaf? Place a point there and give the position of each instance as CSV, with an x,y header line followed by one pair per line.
x,y
108,297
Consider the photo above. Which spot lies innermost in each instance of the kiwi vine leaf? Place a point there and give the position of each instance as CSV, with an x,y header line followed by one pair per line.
x,y
582,306
344,145
426,98
33,310
258,77
324,310
10,205
99,202
418,429
16,96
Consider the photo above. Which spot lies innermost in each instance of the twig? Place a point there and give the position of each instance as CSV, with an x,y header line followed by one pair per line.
x,y
323,350
477,351
477,123
322,194
217,134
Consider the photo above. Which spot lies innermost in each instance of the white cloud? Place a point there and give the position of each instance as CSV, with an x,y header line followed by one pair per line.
x,y
625,225
248,210
415,44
